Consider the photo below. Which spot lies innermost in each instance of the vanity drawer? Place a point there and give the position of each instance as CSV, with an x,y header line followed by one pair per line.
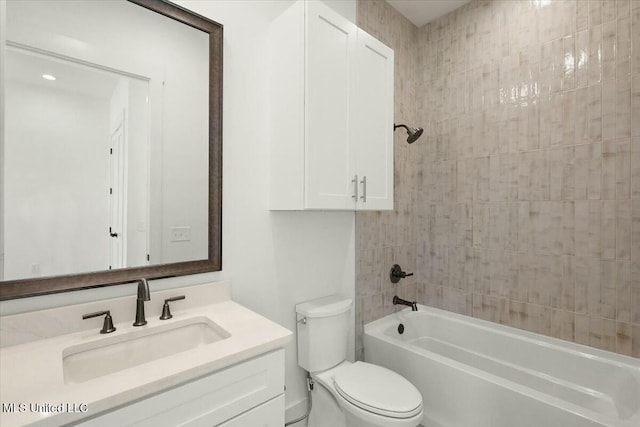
x,y
208,401
268,414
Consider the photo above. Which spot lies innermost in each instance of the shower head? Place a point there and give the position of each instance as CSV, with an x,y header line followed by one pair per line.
x,y
412,133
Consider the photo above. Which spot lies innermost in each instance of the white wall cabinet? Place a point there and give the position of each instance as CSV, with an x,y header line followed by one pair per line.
x,y
372,123
332,113
250,393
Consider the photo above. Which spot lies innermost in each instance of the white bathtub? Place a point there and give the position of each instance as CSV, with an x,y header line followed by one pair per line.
x,y
474,373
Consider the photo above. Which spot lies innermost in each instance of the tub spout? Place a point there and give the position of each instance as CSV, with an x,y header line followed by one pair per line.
x,y
413,305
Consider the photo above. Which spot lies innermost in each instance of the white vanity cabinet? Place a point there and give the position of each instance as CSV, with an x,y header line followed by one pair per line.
x,y
331,113
250,393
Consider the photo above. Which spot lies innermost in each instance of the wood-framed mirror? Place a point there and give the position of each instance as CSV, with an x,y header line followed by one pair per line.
x,y
112,144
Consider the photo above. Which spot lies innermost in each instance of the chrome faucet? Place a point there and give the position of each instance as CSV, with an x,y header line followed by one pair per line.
x,y
143,295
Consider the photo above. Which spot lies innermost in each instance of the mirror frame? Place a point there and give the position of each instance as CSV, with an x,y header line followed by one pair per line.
x,y
47,285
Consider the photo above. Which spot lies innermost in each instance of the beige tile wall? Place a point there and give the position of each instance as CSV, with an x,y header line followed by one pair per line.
x,y
385,238
521,202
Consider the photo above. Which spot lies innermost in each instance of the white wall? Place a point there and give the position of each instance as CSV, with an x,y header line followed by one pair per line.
x,y
51,216
346,8
274,259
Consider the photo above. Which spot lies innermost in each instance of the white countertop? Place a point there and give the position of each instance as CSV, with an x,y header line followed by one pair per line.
x,y
31,373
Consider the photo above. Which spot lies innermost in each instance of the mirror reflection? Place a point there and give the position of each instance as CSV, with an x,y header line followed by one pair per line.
x,y
105,141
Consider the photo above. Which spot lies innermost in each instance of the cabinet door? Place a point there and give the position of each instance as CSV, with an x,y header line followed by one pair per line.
x,y
331,41
372,132
207,401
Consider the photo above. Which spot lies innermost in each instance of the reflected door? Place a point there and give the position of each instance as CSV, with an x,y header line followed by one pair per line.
x,y
116,198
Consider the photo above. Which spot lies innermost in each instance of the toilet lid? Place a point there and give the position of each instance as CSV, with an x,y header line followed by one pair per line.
x,y
378,390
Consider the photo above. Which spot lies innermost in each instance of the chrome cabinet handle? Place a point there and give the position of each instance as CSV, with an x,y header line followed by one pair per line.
x,y
364,189
355,182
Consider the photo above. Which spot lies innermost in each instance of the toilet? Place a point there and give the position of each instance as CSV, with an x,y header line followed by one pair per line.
x,y
349,394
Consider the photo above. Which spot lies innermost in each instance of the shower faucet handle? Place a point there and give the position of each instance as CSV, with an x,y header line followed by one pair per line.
x,y
396,274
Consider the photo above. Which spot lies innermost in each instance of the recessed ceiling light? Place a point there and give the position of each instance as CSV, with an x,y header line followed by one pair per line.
x,y
48,77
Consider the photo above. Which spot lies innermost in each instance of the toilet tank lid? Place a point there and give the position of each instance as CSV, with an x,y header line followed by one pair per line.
x,y
324,307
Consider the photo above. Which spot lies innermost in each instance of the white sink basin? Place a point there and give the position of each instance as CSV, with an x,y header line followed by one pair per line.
x,y
111,354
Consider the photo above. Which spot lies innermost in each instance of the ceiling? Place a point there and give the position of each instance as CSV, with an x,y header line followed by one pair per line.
x,y
28,67
421,12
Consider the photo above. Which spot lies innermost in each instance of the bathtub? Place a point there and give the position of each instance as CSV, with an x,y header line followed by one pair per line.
x,y
474,373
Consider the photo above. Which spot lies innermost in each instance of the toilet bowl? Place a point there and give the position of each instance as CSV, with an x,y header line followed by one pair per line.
x,y
349,394
370,396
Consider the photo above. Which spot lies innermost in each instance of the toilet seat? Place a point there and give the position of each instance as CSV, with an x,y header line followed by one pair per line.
x,y
378,390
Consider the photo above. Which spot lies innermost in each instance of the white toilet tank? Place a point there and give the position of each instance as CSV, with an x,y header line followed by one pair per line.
x,y
323,332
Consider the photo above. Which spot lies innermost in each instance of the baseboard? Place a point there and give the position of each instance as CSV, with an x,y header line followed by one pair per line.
x,y
296,410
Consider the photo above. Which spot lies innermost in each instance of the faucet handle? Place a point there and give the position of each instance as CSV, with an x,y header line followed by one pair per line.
x,y
166,311
107,326
396,274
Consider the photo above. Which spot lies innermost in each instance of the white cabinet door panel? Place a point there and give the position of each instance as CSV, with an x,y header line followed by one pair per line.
x,y
372,136
331,41
207,401
269,414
